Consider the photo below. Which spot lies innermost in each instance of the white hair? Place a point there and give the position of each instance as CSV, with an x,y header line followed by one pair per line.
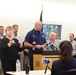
x,y
52,33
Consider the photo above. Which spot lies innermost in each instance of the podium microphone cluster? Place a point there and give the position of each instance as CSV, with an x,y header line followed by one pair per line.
x,y
52,47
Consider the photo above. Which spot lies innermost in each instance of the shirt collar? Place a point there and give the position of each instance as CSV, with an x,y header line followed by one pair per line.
x,y
1,37
15,35
34,31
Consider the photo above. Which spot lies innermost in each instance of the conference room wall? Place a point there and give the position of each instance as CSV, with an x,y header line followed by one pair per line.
x,y
25,13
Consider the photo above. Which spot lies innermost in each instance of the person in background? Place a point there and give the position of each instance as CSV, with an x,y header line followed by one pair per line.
x,y
34,40
25,58
57,36
66,61
53,43
16,35
71,38
15,32
10,48
1,37
19,38
75,39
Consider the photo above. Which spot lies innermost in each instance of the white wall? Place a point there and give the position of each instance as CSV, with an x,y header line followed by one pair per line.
x,y
26,12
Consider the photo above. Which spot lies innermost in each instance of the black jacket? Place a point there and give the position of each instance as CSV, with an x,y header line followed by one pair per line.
x,y
10,53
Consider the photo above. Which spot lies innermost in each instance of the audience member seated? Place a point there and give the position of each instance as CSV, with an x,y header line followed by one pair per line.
x,y
66,61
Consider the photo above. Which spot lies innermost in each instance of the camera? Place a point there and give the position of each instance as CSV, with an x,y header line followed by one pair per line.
x,y
45,60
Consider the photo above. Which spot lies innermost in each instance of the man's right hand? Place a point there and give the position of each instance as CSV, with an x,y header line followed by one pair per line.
x,y
11,42
38,46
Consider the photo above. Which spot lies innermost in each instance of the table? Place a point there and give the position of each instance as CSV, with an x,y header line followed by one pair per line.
x,y
34,72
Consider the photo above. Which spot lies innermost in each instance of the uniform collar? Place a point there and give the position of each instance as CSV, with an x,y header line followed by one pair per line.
x,y
34,31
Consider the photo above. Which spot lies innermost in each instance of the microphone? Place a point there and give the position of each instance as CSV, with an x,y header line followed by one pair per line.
x,y
51,47
54,48
47,46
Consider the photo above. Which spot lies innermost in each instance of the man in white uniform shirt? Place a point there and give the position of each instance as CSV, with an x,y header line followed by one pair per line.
x,y
71,38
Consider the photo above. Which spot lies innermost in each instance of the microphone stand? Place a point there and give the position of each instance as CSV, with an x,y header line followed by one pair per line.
x,y
46,68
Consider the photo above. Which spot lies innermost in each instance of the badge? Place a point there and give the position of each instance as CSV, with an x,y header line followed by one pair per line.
x,y
34,43
33,36
43,36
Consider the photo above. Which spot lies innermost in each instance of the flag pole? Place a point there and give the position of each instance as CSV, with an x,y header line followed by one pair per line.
x,y
41,14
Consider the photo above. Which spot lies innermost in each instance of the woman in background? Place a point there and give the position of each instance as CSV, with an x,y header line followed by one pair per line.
x,y
10,48
66,61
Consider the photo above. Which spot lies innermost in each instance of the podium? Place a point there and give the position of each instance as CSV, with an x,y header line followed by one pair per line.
x,y
39,55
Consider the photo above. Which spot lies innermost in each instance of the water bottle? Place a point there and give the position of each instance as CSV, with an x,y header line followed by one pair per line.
x,y
27,68
18,65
